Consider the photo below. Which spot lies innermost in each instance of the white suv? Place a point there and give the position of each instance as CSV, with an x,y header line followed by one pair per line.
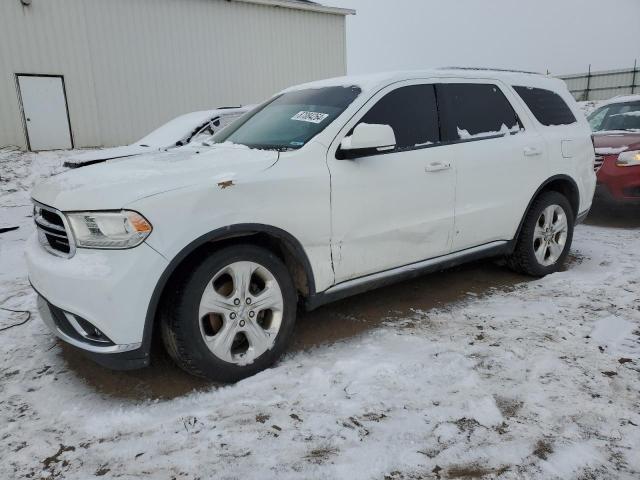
x,y
325,190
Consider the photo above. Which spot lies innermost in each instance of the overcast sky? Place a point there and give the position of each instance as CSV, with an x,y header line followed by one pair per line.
x,y
563,36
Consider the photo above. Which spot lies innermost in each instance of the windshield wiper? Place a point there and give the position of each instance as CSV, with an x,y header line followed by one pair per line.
x,y
271,148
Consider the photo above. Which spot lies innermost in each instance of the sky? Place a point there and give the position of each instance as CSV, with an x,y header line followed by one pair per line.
x,y
561,36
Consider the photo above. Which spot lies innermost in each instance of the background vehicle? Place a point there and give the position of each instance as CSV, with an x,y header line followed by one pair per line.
x,y
616,127
188,128
327,190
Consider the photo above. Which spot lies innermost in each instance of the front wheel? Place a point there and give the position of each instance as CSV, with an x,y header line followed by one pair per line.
x,y
232,315
545,238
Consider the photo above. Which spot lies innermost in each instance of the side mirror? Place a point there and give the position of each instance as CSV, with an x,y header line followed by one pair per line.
x,y
368,139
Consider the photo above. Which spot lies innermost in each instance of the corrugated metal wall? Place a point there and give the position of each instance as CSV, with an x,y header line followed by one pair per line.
x,y
603,85
131,65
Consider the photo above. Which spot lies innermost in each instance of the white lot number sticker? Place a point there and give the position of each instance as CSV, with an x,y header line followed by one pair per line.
x,y
311,117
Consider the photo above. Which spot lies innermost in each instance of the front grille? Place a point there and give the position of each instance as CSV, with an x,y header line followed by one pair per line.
x,y
52,232
631,192
597,165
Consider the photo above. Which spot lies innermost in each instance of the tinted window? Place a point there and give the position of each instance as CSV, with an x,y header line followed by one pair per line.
x,y
411,112
548,107
290,120
471,110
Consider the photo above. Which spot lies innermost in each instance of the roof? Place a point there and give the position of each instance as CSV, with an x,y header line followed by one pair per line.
x,y
306,5
379,80
621,99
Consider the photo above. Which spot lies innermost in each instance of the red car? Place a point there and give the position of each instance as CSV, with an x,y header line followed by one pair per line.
x,y
616,138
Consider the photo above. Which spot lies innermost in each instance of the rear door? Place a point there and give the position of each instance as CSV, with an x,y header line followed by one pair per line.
x,y
567,134
395,207
499,156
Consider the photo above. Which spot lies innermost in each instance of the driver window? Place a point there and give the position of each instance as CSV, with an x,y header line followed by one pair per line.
x,y
411,112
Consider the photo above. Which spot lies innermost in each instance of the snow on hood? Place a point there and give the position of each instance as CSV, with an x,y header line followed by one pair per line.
x,y
114,184
108,154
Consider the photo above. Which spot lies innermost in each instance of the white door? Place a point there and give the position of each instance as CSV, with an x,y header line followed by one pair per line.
x,y
499,157
44,106
392,208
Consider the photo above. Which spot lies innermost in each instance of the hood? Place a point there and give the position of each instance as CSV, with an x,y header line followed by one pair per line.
x,y
112,185
614,142
88,157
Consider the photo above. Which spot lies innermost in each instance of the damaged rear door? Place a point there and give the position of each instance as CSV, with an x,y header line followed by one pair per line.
x,y
395,207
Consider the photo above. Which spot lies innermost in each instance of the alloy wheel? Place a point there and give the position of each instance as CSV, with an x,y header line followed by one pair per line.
x,y
240,312
550,235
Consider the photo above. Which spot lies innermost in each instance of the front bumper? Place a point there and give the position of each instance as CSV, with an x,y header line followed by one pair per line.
x,y
116,357
107,289
621,184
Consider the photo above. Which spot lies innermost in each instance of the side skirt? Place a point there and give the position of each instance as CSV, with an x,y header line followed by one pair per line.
x,y
413,270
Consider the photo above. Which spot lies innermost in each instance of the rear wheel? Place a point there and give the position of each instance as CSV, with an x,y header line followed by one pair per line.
x,y
546,236
232,315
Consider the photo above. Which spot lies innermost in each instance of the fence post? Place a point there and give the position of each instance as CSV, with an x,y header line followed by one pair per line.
x,y
586,92
633,79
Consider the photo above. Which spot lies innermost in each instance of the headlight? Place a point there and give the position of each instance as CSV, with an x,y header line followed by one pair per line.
x,y
109,230
628,159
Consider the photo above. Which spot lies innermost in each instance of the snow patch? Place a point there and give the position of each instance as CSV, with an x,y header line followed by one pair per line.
x,y
504,130
615,336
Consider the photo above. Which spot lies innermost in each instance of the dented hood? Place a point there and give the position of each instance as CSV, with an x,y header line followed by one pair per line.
x,y
114,184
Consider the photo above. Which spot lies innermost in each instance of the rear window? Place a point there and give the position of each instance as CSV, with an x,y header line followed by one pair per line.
x,y
548,107
475,110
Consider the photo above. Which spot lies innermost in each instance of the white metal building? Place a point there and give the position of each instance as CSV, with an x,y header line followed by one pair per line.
x,y
105,72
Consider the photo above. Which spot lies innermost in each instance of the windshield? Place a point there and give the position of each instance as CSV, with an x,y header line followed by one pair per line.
x,y
616,116
290,120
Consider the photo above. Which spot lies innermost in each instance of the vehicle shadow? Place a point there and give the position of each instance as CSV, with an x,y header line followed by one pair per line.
x,y
608,214
330,323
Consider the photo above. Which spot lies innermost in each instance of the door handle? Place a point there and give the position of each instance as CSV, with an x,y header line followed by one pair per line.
x,y
532,151
437,166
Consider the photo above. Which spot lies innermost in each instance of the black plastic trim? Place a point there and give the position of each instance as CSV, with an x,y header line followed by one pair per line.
x,y
131,360
322,298
233,231
581,217
533,197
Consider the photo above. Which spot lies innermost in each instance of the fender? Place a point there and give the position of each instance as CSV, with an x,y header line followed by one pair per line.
x,y
574,185
232,231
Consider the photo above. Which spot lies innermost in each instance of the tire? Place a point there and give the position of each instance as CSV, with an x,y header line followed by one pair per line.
x,y
206,325
539,250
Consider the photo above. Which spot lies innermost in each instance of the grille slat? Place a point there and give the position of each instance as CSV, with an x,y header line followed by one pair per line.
x,y
52,231
597,165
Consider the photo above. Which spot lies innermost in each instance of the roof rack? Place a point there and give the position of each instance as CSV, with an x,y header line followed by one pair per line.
x,y
491,70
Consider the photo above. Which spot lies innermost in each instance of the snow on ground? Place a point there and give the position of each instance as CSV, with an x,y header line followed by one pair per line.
x,y
541,380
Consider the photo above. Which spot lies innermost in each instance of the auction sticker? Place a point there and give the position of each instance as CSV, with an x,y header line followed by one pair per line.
x,y
311,117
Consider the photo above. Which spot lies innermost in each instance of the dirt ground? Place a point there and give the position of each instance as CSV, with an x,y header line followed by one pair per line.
x,y
337,321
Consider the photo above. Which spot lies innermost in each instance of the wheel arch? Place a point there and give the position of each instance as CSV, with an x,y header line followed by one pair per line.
x,y
278,241
562,184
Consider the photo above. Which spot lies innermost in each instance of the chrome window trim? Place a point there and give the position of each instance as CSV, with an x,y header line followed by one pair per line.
x,y
41,235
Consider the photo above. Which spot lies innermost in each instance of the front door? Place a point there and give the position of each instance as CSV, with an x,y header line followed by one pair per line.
x,y
395,207
44,106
